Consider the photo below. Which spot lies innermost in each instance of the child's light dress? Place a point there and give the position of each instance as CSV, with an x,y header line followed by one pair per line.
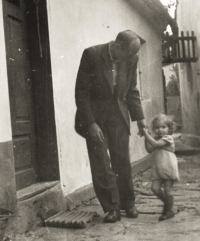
x,y
165,162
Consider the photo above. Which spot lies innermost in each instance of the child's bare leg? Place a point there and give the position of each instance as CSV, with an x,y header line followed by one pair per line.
x,y
156,189
168,184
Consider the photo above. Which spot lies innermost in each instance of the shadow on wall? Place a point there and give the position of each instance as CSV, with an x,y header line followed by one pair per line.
x,y
189,76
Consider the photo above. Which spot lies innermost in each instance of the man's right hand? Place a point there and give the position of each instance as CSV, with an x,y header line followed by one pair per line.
x,y
96,133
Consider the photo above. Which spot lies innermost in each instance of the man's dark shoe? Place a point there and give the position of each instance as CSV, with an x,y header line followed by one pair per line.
x,y
112,217
132,213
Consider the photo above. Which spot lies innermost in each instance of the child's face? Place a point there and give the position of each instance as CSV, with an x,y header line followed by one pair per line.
x,y
160,128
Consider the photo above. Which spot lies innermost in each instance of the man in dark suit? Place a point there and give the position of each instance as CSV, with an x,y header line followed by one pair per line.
x,y
105,95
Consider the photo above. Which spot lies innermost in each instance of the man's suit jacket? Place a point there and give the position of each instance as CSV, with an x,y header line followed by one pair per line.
x,y
94,86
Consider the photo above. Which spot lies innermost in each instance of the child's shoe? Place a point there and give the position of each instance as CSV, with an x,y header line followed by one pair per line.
x,y
167,215
167,212
163,213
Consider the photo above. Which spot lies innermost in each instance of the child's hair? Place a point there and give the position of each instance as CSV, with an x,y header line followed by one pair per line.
x,y
168,120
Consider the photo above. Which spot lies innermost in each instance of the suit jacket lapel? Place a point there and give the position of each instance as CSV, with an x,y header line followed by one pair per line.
x,y
107,67
123,72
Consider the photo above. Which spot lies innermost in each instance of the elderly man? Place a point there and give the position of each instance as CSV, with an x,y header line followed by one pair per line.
x,y
105,95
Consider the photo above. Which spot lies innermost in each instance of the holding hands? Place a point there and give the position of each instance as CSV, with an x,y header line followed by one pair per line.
x,y
146,131
141,125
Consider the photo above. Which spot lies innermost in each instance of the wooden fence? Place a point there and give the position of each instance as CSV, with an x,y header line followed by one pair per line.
x,y
179,49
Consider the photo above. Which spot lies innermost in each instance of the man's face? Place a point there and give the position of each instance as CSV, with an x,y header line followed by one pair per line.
x,y
123,53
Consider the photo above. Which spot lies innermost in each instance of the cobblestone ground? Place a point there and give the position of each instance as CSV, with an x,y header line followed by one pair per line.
x,y
185,226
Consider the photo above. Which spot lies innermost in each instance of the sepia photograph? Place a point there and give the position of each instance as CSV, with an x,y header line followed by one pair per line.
x,y
99,123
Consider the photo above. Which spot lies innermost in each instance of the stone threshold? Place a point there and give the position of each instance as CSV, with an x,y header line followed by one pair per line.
x,y
182,148
186,144
34,190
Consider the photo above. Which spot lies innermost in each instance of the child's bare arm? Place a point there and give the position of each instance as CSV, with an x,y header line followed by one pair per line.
x,y
154,143
149,147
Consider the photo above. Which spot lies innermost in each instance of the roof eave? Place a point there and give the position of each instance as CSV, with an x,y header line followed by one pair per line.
x,y
155,13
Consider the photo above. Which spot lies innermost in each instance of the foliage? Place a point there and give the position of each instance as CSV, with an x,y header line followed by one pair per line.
x,y
172,88
170,5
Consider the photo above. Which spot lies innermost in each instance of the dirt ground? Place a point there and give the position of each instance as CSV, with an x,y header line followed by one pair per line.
x,y
185,226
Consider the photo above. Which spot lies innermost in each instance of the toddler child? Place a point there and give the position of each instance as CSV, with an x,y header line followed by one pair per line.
x,y
165,167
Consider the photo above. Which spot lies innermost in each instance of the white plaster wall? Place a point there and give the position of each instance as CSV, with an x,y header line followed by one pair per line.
x,y
7,177
188,20
5,122
73,26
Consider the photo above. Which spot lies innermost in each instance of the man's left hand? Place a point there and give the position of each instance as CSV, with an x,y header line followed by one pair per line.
x,y
141,124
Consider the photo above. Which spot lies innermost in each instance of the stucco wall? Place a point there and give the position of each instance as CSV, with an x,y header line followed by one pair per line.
x,y
190,72
73,26
5,124
7,177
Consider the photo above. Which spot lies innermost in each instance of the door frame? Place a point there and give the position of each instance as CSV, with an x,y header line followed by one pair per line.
x,y
45,127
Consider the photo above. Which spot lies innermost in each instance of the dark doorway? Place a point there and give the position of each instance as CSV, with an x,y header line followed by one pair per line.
x,y
30,91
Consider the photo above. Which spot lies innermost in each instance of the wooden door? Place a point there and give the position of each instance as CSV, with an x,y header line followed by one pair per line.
x,y
20,91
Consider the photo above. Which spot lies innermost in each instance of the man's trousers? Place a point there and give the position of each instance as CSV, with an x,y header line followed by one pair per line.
x,y
110,162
